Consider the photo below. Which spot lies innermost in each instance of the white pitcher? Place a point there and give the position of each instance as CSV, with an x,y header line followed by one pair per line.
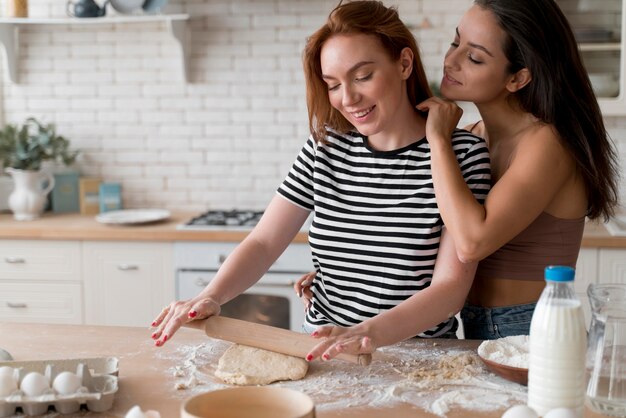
x,y
28,198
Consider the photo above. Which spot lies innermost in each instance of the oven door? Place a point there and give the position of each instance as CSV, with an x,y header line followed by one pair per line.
x,y
271,301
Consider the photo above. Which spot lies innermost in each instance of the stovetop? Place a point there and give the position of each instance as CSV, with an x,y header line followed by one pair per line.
x,y
233,219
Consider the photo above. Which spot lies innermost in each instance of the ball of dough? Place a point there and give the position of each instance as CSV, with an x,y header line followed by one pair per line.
x,y
8,384
562,413
520,411
34,384
66,383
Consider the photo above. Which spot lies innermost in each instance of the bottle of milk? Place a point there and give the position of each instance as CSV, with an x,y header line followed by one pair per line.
x,y
557,346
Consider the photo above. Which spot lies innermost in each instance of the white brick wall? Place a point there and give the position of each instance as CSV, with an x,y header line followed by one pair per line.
x,y
225,139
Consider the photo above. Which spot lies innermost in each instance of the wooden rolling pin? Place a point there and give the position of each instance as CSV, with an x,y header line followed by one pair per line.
x,y
266,337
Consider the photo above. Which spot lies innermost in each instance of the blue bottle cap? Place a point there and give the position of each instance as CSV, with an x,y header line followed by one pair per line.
x,y
559,273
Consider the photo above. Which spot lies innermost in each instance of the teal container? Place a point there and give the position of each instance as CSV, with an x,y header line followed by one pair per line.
x,y
110,197
65,196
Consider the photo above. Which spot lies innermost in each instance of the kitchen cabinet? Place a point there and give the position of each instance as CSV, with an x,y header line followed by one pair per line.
x,y
10,30
612,266
126,283
40,281
598,26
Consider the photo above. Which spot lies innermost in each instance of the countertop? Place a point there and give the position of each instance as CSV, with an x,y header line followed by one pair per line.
x,y
81,227
395,384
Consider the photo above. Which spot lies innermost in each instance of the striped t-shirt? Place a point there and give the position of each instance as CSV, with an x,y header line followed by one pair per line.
x,y
376,226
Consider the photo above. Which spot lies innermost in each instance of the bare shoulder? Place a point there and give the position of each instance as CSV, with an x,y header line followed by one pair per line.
x,y
477,128
541,143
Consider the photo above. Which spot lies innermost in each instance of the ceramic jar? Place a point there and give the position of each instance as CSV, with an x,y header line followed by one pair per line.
x,y
17,8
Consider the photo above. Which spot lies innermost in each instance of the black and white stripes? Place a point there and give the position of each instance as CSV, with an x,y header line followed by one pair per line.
x,y
376,227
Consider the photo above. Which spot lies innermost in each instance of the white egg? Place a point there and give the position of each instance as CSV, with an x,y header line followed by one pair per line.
x,y
66,383
520,411
34,384
562,413
8,384
136,412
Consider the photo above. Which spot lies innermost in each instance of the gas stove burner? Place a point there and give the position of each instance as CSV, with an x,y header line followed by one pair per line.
x,y
226,218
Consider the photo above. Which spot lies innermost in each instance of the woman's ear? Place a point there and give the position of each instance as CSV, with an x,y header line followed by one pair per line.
x,y
519,80
406,62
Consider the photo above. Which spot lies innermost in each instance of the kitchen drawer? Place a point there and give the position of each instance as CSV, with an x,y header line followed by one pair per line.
x,y
211,255
40,260
41,302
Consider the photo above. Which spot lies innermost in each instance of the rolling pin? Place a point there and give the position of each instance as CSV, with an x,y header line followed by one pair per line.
x,y
266,337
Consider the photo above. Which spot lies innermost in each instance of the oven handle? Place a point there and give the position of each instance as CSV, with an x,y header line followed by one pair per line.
x,y
203,283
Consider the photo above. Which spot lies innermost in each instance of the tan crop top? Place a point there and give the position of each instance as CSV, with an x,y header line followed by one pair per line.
x,y
547,241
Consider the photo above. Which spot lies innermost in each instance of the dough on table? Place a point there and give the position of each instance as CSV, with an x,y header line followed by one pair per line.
x,y
243,365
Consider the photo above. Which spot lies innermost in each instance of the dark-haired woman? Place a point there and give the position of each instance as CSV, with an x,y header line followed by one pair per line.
x,y
552,162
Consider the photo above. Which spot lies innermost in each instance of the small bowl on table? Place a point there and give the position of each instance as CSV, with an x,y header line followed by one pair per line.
x,y
249,402
514,374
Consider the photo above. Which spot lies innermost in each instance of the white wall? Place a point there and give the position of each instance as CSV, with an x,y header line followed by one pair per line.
x,y
225,139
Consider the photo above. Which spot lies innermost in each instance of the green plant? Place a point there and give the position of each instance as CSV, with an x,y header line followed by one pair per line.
x,y
26,147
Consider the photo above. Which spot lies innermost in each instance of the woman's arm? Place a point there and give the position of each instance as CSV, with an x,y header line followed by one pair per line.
x,y
537,170
444,297
280,223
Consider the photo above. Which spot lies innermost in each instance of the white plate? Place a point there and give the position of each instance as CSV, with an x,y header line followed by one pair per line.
x,y
127,6
133,216
154,6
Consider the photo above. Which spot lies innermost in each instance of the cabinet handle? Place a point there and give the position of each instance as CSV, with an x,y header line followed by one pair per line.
x,y
14,260
221,258
16,305
127,267
201,283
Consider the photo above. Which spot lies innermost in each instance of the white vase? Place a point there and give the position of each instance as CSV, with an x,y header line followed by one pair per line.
x,y
28,198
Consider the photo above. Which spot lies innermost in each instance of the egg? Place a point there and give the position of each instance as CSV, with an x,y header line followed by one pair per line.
x,y
520,411
136,412
8,384
563,413
34,384
66,383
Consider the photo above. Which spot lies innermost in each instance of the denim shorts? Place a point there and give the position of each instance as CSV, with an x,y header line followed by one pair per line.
x,y
480,323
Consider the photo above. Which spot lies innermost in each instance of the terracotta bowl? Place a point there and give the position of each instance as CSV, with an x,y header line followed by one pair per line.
x,y
249,402
514,374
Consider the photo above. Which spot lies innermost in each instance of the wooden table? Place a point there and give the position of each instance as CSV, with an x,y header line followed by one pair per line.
x,y
145,371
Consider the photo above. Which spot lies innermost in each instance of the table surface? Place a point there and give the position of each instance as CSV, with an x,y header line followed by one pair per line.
x,y
147,374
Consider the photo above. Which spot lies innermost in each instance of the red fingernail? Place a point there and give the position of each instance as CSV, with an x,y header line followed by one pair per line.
x,y
314,334
326,357
309,357
153,323
154,334
164,338
192,314
157,343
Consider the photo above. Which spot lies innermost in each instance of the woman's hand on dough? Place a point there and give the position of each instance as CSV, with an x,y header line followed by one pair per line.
x,y
303,288
337,340
177,313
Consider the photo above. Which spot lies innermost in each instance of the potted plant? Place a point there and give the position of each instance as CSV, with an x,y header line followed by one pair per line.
x,y
22,151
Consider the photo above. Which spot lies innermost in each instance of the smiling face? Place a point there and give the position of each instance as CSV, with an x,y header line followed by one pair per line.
x,y
364,83
475,67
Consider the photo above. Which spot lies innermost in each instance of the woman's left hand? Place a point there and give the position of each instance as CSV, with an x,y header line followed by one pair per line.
x,y
337,340
443,117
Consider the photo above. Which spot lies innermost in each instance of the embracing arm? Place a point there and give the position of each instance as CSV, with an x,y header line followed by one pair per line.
x,y
280,223
537,170
444,297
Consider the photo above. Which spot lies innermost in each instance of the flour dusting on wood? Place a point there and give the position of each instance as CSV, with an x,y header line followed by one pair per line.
x,y
417,372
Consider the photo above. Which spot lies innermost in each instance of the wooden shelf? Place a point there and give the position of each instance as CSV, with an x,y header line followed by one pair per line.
x,y
10,28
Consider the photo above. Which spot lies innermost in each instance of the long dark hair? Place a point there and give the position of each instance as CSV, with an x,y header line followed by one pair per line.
x,y
366,17
540,38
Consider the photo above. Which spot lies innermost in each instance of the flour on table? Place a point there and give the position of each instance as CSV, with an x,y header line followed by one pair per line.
x,y
510,351
414,372
243,365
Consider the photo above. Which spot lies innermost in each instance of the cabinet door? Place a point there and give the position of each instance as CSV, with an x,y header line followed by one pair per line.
x,y
126,283
612,266
40,260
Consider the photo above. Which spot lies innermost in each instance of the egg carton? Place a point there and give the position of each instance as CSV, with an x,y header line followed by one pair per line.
x,y
98,379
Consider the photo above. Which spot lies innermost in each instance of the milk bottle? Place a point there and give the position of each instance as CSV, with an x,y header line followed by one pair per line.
x,y
557,346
